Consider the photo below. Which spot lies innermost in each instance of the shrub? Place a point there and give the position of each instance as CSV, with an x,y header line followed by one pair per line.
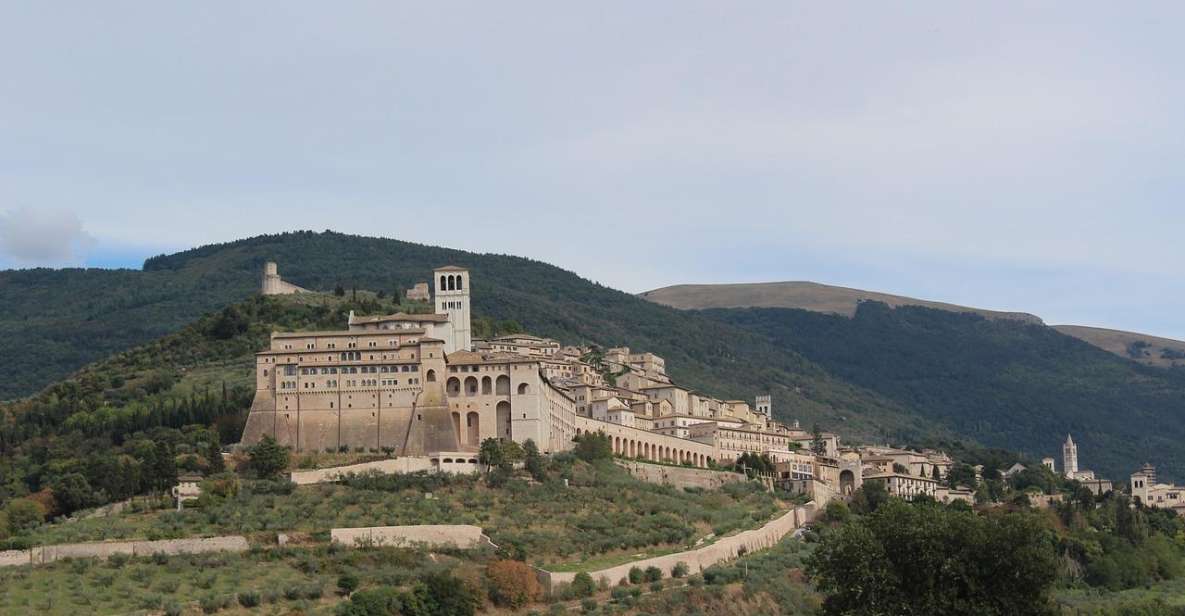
x,y
376,602
347,583
292,593
680,570
313,591
653,574
174,609
619,593
249,599
588,606
583,585
655,586
512,584
635,575
695,580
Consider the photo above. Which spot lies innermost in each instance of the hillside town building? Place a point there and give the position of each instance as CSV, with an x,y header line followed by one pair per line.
x,y
421,385
1145,487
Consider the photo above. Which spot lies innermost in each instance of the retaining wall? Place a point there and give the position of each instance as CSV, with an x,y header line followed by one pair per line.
x,y
424,535
391,466
680,476
106,549
699,559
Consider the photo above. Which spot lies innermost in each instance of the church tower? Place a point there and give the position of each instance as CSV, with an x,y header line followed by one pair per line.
x,y
1070,458
452,299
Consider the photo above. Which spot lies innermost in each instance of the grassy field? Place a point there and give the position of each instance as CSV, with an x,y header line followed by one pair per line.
x,y
604,515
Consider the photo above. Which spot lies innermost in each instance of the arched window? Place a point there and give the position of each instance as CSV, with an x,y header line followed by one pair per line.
x,y
487,386
522,388
473,423
452,283
453,386
502,419
470,386
441,287
460,283
431,376
502,385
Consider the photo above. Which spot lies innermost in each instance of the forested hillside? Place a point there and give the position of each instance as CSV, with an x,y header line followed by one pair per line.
x,y
701,353
1001,382
895,375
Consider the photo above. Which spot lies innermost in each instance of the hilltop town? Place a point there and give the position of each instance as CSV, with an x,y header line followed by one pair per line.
x,y
420,385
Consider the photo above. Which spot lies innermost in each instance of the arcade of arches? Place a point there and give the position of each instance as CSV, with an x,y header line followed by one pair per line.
x,y
642,445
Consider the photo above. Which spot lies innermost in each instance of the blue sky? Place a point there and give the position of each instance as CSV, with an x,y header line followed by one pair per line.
x,y
1008,156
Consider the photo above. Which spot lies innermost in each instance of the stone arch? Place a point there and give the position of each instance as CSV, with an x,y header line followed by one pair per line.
x,y
502,419
502,385
487,386
430,376
473,426
453,386
470,386
847,482
523,388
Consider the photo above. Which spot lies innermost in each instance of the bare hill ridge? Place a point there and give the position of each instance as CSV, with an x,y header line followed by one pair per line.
x,y
802,295
1149,350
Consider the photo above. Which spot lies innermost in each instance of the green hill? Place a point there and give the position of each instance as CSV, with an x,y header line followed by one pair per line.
x,y
1001,382
904,375
124,308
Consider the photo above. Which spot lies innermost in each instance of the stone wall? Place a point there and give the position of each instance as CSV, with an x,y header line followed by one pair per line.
x,y
425,535
680,476
699,559
106,549
393,465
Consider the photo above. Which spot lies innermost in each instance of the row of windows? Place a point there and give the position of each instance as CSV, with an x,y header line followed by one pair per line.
x,y
479,368
450,305
354,383
291,370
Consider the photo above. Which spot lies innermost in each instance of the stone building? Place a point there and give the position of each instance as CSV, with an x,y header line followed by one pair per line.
x,y
272,284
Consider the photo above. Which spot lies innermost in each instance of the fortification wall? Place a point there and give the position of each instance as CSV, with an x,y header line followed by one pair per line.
x,y
105,550
425,535
680,476
699,559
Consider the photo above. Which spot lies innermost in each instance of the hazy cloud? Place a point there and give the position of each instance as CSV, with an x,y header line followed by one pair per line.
x,y
43,237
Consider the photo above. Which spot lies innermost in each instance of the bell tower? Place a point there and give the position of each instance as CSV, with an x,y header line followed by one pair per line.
x,y
452,299
1069,458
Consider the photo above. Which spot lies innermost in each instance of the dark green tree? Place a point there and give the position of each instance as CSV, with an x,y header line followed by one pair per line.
x,y
929,559
267,458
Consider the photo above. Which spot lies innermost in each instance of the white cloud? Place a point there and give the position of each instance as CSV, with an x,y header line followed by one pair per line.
x,y
43,237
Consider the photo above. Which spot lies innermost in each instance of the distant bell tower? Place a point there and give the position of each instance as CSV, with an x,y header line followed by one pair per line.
x,y
765,406
1069,457
452,299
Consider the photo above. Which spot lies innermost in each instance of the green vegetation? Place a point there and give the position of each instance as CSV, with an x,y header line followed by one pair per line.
x,y
603,512
1001,383
928,559
289,579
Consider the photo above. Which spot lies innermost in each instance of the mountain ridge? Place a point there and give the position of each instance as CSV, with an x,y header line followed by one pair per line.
x,y
832,299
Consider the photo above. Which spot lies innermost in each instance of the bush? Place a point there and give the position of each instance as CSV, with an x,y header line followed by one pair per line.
x,y
512,584
681,569
376,602
635,575
588,605
583,585
655,586
249,599
347,583
653,574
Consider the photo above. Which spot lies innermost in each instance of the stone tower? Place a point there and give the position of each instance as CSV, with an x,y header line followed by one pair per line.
x,y
1069,457
452,298
765,406
274,285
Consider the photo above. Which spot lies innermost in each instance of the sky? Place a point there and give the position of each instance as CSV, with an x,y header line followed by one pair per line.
x,y
1015,156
